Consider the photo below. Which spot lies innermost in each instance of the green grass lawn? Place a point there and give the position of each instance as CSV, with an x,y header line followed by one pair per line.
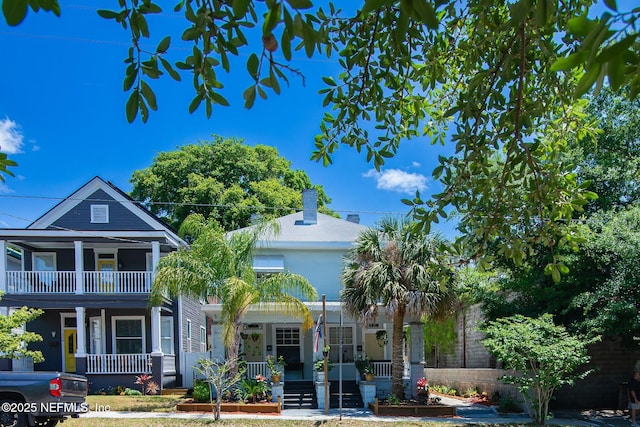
x,y
166,403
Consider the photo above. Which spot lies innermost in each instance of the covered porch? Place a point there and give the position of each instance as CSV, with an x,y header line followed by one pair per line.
x,y
266,332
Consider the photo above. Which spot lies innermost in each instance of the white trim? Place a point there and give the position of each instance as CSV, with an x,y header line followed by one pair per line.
x,y
353,338
189,332
275,326
113,332
99,214
172,338
203,344
103,347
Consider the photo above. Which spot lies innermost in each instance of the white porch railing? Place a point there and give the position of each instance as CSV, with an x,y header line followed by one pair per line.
x,y
257,368
64,282
383,370
118,282
119,363
169,364
41,282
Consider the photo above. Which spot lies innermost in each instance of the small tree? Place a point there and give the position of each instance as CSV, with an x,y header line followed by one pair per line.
x,y
220,376
542,355
13,343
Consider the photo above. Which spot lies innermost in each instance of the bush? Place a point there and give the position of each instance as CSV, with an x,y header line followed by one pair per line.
x,y
201,392
507,404
131,392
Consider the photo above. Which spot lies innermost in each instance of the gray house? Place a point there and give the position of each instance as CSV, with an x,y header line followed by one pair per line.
x,y
89,264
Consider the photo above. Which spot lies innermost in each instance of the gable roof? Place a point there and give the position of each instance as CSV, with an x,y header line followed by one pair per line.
x,y
108,193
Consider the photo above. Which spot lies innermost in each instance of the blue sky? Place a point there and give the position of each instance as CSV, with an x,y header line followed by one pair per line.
x,y
62,119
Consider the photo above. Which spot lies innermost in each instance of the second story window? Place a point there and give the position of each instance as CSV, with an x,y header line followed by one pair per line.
x,y
99,214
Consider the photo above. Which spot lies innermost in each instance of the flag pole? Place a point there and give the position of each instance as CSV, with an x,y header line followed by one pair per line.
x,y
325,354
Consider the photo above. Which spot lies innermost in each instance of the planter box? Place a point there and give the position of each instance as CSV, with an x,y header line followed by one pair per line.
x,y
413,410
251,408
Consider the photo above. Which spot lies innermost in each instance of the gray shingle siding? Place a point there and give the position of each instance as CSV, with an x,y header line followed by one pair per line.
x,y
192,310
120,218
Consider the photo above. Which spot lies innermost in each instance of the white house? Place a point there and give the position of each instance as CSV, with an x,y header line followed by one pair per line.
x,y
314,245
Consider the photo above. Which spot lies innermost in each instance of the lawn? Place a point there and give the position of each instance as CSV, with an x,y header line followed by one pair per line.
x,y
166,403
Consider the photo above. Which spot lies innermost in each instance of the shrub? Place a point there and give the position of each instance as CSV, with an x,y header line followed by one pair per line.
x,y
131,392
507,404
201,392
252,390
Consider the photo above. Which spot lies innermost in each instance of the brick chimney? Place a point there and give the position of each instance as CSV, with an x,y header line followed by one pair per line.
x,y
309,206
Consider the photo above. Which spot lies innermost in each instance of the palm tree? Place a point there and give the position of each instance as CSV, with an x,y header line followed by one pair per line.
x,y
220,265
403,270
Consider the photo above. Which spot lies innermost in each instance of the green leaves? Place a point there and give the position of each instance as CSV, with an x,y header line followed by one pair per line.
x,y
14,11
542,356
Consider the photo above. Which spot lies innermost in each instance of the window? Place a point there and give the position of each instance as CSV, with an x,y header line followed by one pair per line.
x,y
95,335
45,264
99,214
128,335
203,339
188,335
44,261
347,344
268,263
166,334
288,336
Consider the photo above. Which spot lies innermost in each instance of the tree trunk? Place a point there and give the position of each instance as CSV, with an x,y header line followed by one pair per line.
x,y
397,362
233,349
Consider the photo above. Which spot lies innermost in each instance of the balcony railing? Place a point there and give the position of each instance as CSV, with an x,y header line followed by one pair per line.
x,y
119,364
41,282
119,282
64,282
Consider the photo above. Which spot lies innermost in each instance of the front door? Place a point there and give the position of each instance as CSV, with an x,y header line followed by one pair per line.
x,y
70,347
106,278
288,346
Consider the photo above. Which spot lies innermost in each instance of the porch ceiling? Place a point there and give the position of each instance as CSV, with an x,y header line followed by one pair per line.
x,y
45,239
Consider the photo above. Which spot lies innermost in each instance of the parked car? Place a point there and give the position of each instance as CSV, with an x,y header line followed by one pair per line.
x,y
40,398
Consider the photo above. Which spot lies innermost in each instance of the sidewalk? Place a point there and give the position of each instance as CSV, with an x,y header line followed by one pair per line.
x,y
467,413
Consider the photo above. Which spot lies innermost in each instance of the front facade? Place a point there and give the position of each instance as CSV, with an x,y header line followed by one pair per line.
x,y
89,263
313,245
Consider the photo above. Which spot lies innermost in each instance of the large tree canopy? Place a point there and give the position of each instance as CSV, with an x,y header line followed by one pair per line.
x,y
223,179
505,72
599,293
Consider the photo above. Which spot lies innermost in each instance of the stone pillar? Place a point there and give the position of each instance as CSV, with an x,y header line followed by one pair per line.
x,y
79,261
416,356
368,392
277,391
3,266
81,343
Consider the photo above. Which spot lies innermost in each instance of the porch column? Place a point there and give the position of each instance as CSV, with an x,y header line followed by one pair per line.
x,y
3,266
79,260
81,343
157,357
155,255
416,356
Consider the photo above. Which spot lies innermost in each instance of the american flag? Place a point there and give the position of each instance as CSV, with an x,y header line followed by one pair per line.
x,y
317,335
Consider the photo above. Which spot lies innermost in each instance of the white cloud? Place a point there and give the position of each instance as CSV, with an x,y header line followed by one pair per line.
x,y
11,140
398,180
4,189
415,164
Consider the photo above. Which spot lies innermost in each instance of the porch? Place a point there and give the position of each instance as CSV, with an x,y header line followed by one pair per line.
x,y
71,282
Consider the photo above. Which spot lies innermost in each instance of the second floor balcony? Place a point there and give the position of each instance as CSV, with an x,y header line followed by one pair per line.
x,y
72,282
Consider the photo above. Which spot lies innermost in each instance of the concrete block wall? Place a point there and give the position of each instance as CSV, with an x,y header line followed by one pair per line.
x,y
482,379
